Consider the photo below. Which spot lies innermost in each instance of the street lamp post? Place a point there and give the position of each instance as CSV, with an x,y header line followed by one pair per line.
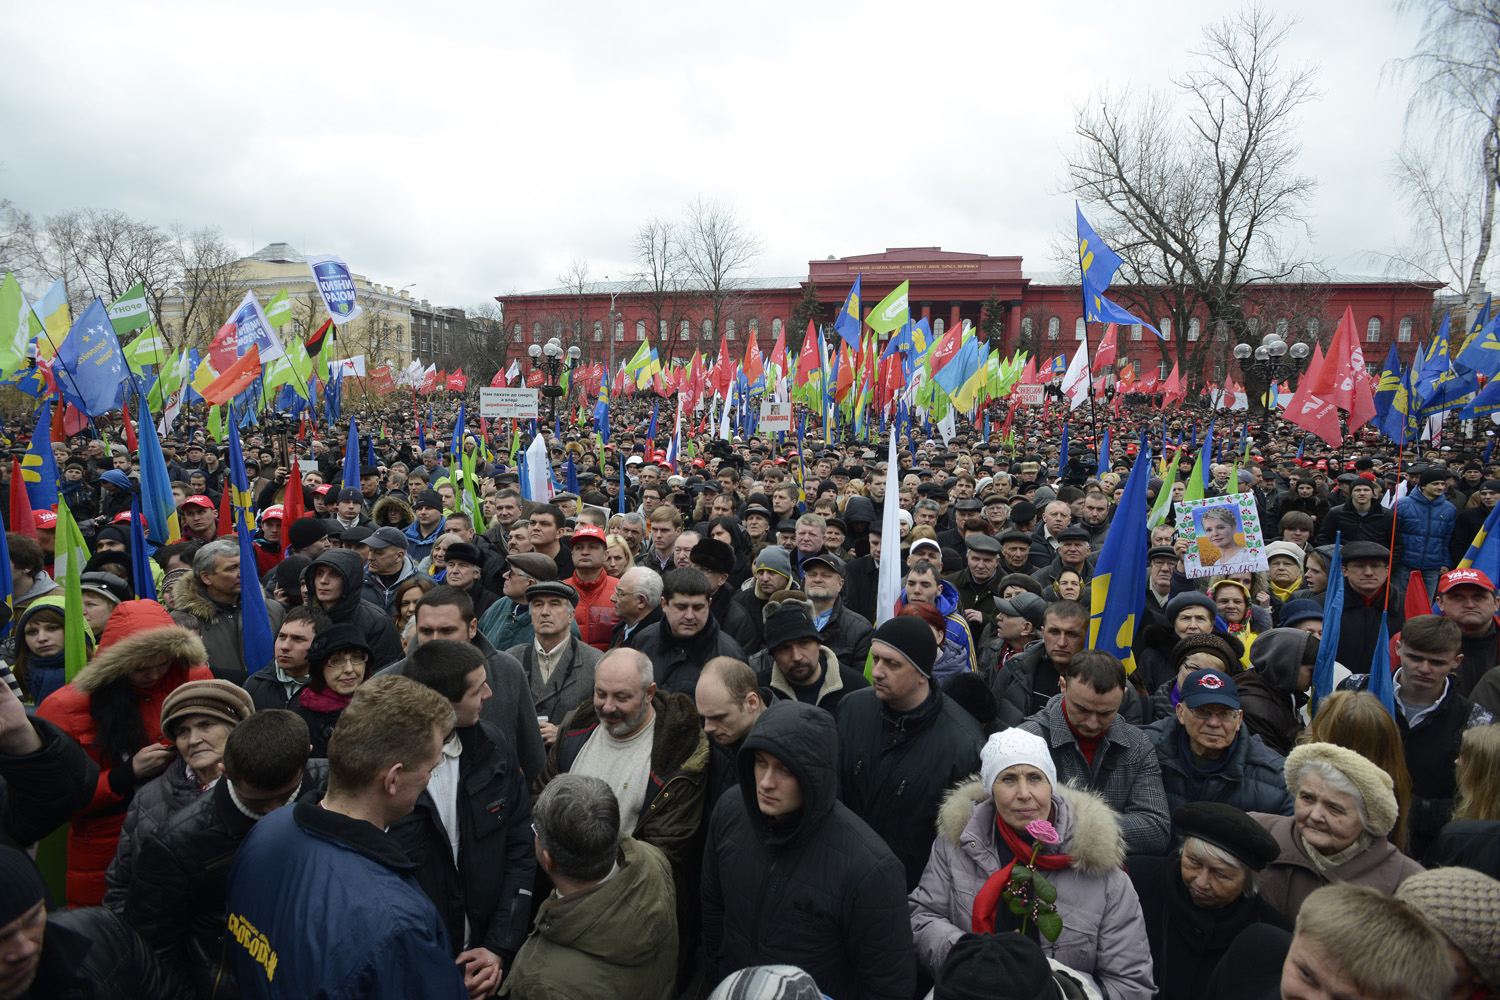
x,y
549,360
1273,361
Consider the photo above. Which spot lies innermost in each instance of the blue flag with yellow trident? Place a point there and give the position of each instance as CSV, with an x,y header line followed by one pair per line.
x,y
849,320
39,464
1118,592
1097,265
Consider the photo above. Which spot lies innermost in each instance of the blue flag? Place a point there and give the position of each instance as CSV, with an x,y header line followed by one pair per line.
x,y
1489,446
5,581
1484,550
1104,465
351,458
89,367
157,501
39,464
1333,613
572,475
1382,684
850,318
258,642
1062,450
1118,596
140,559
1097,265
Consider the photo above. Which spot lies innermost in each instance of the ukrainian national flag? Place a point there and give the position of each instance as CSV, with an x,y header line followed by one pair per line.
x,y
1118,591
1484,551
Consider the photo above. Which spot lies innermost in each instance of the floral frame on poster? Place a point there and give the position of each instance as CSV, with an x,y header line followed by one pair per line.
x,y
1223,535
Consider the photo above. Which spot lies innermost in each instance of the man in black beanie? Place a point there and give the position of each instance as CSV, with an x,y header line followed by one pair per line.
x,y
902,743
69,953
308,537
1002,967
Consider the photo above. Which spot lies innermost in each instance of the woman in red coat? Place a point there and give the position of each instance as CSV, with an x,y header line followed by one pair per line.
x,y
113,709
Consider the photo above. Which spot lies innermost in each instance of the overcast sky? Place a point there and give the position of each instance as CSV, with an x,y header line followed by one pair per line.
x,y
477,148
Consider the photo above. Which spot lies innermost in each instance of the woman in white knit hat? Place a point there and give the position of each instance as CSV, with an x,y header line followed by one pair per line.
x,y
1001,819
1343,810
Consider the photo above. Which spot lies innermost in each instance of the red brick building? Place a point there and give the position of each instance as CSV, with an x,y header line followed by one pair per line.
x,y
1039,311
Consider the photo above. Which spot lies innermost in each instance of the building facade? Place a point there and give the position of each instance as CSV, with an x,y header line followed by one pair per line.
x,y
1038,312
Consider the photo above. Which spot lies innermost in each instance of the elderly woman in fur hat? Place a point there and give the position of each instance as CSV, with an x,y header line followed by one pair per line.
x,y
113,709
1015,814
1343,810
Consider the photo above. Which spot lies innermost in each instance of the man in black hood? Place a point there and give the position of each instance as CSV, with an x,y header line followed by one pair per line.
x,y
791,876
334,582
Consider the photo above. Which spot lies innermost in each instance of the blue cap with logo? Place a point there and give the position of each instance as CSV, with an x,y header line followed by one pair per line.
x,y
1209,687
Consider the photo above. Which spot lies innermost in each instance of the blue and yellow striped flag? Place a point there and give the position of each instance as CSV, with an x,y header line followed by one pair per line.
x,y
1118,593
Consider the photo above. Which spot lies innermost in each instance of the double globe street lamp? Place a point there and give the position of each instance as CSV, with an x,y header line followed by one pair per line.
x,y
549,361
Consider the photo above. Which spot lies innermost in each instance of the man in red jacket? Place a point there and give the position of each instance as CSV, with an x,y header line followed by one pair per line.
x,y
595,613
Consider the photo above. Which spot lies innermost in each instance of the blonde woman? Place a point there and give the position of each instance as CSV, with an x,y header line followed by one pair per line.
x,y
617,556
1472,839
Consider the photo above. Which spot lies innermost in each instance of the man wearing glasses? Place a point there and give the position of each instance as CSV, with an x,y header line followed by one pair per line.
x,y
1206,757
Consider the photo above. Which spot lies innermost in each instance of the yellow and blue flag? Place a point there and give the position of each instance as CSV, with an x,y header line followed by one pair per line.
x,y
1333,616
39,464
1118,595
1097,265
849,322
258,642
51,311
1484,551
1440,386
157,502
89,367
1481,351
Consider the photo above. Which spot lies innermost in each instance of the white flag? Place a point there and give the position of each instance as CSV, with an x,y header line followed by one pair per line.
x,y
512,372
889,585
538,485
1075,383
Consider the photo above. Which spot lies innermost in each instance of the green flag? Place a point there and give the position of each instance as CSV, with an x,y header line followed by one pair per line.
x,y
1164,498
216,423
71,555
130,312
17,325
892,311
150,348
279,309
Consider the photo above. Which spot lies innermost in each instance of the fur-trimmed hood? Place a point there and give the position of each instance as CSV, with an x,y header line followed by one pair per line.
x,y
139,631
188,595
392,502
1089,828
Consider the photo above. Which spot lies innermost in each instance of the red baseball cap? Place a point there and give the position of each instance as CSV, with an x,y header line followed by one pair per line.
x,y
323,490
196,500
591,531
273,513
44,519
1465,577
124,518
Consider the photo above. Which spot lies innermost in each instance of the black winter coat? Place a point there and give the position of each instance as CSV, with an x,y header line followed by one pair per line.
x,y
848,634
817,889
1372,526
734,621
491,884
1016,702
895,768
41,791
91,954
862,585
1470,843
677,662
176,898
1252,779
373,623
1187,941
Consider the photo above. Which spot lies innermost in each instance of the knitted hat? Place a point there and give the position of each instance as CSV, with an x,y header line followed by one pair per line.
x,y
1226,648
306,530
1286,549
910,637
775,558
21,886
222,700
1462,903
788,623
768,982
1188,599
428,498
995,967
1012,747
1374,784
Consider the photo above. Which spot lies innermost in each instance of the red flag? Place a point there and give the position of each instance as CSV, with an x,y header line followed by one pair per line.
x,y
536,378
725,366
1342,379
21,520
130,441
222,352
946,348
73,422
498,382
1313,412
1172,388
226,511
292,506
457,381
236,378
1148,382
314,342
755,367
1417,601
778,352
846,372
1107,350
808,360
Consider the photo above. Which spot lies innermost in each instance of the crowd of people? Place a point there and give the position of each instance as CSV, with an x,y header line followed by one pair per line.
x,y
658,738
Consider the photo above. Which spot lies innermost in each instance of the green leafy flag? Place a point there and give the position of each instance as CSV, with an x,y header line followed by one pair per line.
x,y
150,348
18,324
71,555
893,311
1163,506
216,423
279,309
130,312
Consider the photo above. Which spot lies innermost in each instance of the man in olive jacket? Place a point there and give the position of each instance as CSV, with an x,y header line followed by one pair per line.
x,y
792,877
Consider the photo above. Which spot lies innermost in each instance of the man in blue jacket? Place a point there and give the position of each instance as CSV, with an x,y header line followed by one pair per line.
x,y
321,900
1424,525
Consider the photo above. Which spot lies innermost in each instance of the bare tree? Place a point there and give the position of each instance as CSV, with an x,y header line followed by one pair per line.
x,y
211,286
1449,166
575,313
719,251
1200,206
661,267
484,340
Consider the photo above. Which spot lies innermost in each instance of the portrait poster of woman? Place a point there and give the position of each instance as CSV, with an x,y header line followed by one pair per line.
x,y
1223,535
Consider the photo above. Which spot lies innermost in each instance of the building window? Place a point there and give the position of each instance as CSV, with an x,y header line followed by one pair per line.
x,y
1080,328
775,326
661,332
1403,332
536,331
1372,330
1221,330
1135,331
708,330
937,328
598,329
728,329
1165,326
426,342
1193,330
1164,370
1252,324
1281,328
1026,327
684,330
1054,327
1312,329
